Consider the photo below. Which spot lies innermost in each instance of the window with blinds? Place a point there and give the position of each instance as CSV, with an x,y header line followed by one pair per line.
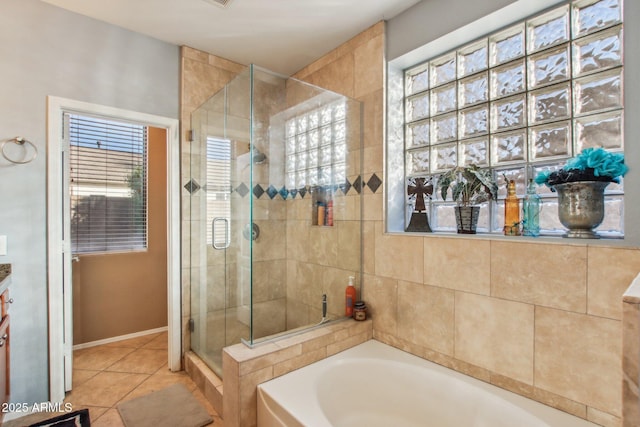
x,y
218,189
108,161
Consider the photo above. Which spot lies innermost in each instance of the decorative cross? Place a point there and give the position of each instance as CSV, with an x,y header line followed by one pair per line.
x,y
419,187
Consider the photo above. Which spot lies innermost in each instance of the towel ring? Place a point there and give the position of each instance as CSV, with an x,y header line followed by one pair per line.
x,y
20,141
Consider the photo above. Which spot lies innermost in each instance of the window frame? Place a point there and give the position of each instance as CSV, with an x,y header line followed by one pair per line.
x,y
144,141
395,185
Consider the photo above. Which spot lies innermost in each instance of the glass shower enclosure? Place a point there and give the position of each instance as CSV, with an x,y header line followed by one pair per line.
x,y
275,210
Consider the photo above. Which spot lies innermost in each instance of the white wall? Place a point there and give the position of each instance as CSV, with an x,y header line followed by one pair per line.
x,y
44,51
430,19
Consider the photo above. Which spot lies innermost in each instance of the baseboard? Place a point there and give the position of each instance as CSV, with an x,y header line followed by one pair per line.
x,y
120,338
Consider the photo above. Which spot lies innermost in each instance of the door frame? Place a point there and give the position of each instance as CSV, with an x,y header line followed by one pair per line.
x,y
56,106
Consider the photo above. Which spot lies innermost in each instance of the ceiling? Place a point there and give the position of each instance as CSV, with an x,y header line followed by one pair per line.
x,y
280,35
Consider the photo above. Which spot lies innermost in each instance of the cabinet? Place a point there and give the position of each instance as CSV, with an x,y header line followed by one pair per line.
x,y
4,359
4,336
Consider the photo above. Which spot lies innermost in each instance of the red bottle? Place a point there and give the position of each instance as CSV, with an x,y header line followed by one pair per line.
x,y
350,297
330,213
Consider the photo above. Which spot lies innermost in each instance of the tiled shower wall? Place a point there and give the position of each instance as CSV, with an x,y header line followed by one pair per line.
x,y
541,318
294,261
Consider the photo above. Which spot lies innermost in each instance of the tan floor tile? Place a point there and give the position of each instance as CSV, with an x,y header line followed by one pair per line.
x,y
95,412
136,342
112,373
98,358
82,375
140,361
111,418
105,389
158,343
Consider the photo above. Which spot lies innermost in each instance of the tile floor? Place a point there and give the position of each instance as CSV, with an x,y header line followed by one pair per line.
x,y
105,375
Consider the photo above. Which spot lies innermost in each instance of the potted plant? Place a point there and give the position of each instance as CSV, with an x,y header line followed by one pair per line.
x,y
470,186
580,185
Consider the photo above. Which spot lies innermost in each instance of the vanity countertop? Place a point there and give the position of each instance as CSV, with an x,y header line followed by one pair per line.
x,y
5,276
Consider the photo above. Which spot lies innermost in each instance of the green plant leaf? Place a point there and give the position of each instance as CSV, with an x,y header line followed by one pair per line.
x,y
469,185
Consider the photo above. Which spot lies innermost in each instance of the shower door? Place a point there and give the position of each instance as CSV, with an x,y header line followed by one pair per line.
x,y
220,203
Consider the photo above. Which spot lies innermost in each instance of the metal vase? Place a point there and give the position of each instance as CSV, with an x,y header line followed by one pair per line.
x,y
581,207
467,218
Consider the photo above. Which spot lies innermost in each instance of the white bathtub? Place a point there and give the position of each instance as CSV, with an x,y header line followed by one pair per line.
x,y
376,385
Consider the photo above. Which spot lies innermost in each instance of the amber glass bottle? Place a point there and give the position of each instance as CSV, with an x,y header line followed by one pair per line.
x,y
511,211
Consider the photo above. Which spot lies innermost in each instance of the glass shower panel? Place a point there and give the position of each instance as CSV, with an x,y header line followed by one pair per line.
x,y
312,140
267,152
220,205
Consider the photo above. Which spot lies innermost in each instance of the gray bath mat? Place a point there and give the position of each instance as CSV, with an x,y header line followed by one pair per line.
x,y
173,406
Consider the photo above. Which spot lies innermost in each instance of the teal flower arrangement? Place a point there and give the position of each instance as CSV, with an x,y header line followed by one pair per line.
x,y
592,164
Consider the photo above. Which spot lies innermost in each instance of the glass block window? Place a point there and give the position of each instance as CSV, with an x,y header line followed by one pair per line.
x,y
519,101
316,147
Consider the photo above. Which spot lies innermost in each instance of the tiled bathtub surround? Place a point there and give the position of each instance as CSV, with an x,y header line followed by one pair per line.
x,y
537,330
631,355
245,368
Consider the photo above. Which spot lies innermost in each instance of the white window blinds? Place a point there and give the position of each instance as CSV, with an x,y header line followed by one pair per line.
x,y
218,188
108,161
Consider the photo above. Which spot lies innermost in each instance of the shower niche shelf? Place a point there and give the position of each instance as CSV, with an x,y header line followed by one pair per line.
x,y
322,207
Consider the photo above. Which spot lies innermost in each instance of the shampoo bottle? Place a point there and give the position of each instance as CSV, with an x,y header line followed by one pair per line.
x,y
321,213
350,297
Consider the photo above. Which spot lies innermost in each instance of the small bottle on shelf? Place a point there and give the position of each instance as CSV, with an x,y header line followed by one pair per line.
x,y
531,212
360,311
320,213
350,297
329,221
511,211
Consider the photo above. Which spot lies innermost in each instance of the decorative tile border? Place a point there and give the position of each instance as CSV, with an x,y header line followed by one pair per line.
x,y
259,190
192,186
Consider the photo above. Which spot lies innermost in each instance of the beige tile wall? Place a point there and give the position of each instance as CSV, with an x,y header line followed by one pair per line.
x,y
631,352
541,318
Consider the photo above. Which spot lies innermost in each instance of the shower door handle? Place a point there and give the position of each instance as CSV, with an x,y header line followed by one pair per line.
x,y
227,233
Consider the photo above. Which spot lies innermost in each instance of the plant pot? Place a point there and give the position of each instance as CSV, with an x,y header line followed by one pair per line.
x,y
581,207
467,218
